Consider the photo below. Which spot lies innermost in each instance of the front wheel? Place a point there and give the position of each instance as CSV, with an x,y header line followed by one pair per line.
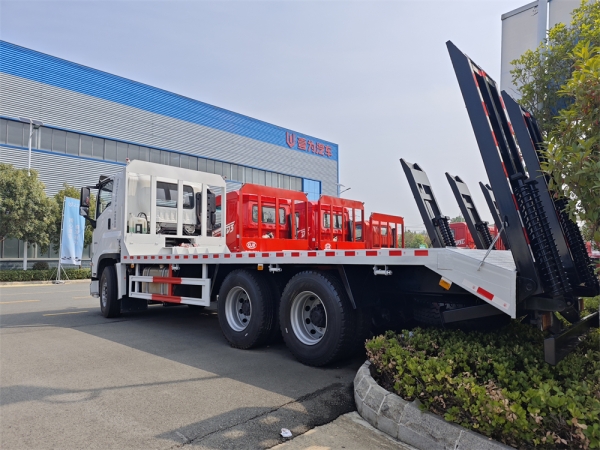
x,y
110,305
317,319
245,309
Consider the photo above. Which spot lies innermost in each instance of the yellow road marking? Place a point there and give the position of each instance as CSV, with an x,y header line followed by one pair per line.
x,y
60,314
19,301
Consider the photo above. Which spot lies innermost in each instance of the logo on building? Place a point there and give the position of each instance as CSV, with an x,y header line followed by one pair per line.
x,y
307,145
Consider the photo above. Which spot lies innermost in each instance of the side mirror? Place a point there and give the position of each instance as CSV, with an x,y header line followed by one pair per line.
x,y
84,205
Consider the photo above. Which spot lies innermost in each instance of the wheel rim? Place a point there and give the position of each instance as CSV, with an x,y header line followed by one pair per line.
x,y
238,309
104,294
309,318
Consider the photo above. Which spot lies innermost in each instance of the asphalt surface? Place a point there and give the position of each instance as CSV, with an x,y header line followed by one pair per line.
x,y
158,379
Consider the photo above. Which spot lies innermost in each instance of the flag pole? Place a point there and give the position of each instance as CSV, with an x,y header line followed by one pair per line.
x,y
62,223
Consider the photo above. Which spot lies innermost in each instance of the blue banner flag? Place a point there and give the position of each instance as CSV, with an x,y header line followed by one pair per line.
x,y
71,246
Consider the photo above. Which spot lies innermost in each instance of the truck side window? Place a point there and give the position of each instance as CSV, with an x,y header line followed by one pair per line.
x,y
166,195
104,198
337,221
268,214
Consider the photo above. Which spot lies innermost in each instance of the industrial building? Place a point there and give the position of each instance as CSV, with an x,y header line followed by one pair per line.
x,y
94,122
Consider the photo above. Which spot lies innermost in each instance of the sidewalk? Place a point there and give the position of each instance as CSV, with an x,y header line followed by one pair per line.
x,y
349,432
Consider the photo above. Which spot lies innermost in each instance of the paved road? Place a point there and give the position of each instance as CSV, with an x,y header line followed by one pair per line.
x,y
157,379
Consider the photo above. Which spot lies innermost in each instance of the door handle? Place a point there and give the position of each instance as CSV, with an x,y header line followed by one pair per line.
x,y
109,224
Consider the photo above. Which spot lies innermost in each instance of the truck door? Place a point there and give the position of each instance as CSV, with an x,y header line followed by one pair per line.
x,y
107,234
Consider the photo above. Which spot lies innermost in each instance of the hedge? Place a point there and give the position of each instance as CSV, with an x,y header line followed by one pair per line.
x,y
497,383
42,275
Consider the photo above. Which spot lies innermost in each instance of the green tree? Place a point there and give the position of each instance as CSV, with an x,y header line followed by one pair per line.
x,y
457,219
413,239
573,144
59,198
540,73
25,211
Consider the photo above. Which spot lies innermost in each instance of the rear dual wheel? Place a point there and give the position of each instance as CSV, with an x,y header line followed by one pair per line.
x,y
318,322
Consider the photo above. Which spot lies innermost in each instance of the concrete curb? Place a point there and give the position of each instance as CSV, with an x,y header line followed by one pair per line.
x,y
39,283
406,422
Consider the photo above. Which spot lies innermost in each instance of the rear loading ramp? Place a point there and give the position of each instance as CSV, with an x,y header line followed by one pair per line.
x,y
478,228
488,194
517,196
435,222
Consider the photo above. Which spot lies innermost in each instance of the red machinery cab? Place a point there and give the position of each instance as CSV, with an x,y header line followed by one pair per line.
x,y
335,222
463,239
384,231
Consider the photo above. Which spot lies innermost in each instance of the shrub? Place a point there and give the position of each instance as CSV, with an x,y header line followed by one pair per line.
x,y
497,383
42,275
41,265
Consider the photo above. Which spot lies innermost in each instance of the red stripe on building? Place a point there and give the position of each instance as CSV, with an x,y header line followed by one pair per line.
x,y
421,252
485,293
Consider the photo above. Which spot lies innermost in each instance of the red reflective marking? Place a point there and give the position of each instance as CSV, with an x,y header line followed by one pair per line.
x,y
485,109
280,255
265,255
168,257
312,253
204,256
145,257
295,254
371,253
526,237
186,256
195,256
475,78
395,252
504,168
239,255
511,128
166,298
160,257
515,200
139,257
350,253
166,280
215,256
421,252
502,102
251,255
494,136
227,255
485,293
329,253
176,256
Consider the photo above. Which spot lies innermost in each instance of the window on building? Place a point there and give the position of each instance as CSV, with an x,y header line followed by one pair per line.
x,y
46,138
155,156
87,145
121,152
164,158
193,163
14,134
11,248
3,131
72,143
202,164
144,154
133,152
210,166
59,141
227,171
99,150
312,189
218,167
110,150
174,160
184,161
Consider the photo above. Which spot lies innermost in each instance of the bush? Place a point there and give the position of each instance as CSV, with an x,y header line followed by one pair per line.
x,y
497,383
42,275
41,265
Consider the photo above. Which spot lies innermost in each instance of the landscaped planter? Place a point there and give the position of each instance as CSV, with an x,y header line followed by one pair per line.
x,y
406,422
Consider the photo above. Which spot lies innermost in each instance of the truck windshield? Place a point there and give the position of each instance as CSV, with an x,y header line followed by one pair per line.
x,y
337,221
268,214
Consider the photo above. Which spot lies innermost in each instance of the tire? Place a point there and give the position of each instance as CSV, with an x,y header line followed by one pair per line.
x,y
317,319
110,305
245,309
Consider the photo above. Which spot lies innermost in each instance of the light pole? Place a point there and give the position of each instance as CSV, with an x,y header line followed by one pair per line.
x,y
340,192
33,125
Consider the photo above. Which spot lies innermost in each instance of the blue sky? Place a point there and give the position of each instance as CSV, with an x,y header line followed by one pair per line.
x,y
373,77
